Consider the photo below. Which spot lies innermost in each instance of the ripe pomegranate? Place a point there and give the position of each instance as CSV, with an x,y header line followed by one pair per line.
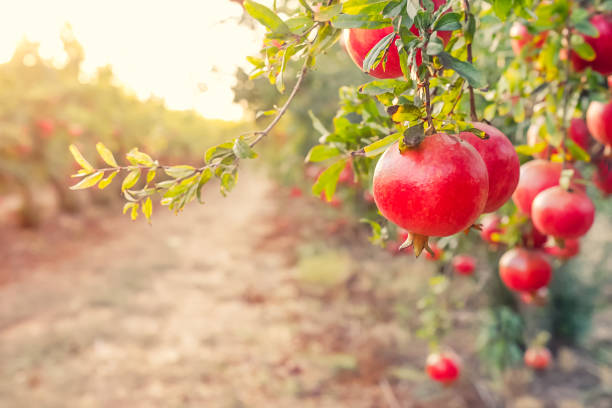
x,y
502,163
359,42
536,176
602,45
464,264
602,178
562,213
443,367
570,249
537,358
491,224
437,252
537,298
524,270
579,133
599,121
532,238
520,37
418,188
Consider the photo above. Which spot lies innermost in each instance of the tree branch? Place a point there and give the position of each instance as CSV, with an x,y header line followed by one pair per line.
x,y
473,115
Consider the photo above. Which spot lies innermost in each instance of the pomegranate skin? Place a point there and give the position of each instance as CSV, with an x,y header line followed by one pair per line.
x,y
491,224
570,249
464,264
443,367
602,178
602,45
359,42
535,177
563,214
438,188
579,133
599,121
503,165
537,358
524,270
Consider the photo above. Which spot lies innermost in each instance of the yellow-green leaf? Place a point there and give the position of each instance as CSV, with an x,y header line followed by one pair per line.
x,y
130,179
88,181
106,182
128,206
79,158
147,208
134,214
137,157
106,155
179,171
150,175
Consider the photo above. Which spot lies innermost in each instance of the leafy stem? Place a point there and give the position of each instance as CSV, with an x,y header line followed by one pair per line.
x,y
473,114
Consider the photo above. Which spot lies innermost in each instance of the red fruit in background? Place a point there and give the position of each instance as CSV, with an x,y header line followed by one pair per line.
x,y
533,238
438,188
443,367
437,252
295,192
75,130
610,82
347,176
368,197
579,133
502,163
570,249
491,224
520,37
536,176
464,264
359,42
562,214
537,358
537,298
599,121
602,45
335,202
533,138
45,127
524,270
602,178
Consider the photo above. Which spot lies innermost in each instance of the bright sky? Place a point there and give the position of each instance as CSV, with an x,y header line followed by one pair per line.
x,y
165,48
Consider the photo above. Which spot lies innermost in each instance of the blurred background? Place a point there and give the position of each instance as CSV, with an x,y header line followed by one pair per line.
x,y
269,297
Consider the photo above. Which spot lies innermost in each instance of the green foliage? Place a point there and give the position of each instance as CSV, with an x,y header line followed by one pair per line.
x,y
500,339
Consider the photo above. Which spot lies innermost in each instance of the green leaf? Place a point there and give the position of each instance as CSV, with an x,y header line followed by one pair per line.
x,y
80,159
376,53
448,22
585,27
465,69
106,155
181,171
137,157
88,181
106,182
321,153
531,150
316,123
151,175
378,147
147,209
204,178
218,151
434,46
134,214
130,180
345,21
576,151
394,8
364,7
242,150
326,13
328,180
128,206
582,48
266,17
412,8
502,8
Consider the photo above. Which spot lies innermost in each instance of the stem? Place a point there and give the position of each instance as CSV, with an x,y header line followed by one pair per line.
x,y
428,103
473,115
567,91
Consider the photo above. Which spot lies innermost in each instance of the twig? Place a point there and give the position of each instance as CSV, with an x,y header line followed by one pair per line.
x,y
473,115
567,89
428,103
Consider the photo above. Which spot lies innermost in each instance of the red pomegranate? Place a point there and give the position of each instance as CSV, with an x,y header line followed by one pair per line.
x,y
599,121
443,367
491,224
532,238
602,45
501,160
45,127
359,42
570,249
520,37
537,358
602,178
524,270
464,264
437,252
419,189
537,298
562,213
536,176
347,176
579,133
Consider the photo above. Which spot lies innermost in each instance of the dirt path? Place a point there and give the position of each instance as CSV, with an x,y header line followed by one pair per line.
x,y
183,313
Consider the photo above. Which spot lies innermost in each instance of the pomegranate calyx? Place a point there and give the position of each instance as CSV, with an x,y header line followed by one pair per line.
x,y
418,243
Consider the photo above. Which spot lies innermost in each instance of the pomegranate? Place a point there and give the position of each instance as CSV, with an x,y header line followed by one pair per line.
x,y
537,298
536,176
464,264
520,37
532,238
418,189
524,270
537,358
562,213
599,121
502,163
491,224
347,176
577,131
45,127
359,42
571,248
437,252
602,178
443,367
602,45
